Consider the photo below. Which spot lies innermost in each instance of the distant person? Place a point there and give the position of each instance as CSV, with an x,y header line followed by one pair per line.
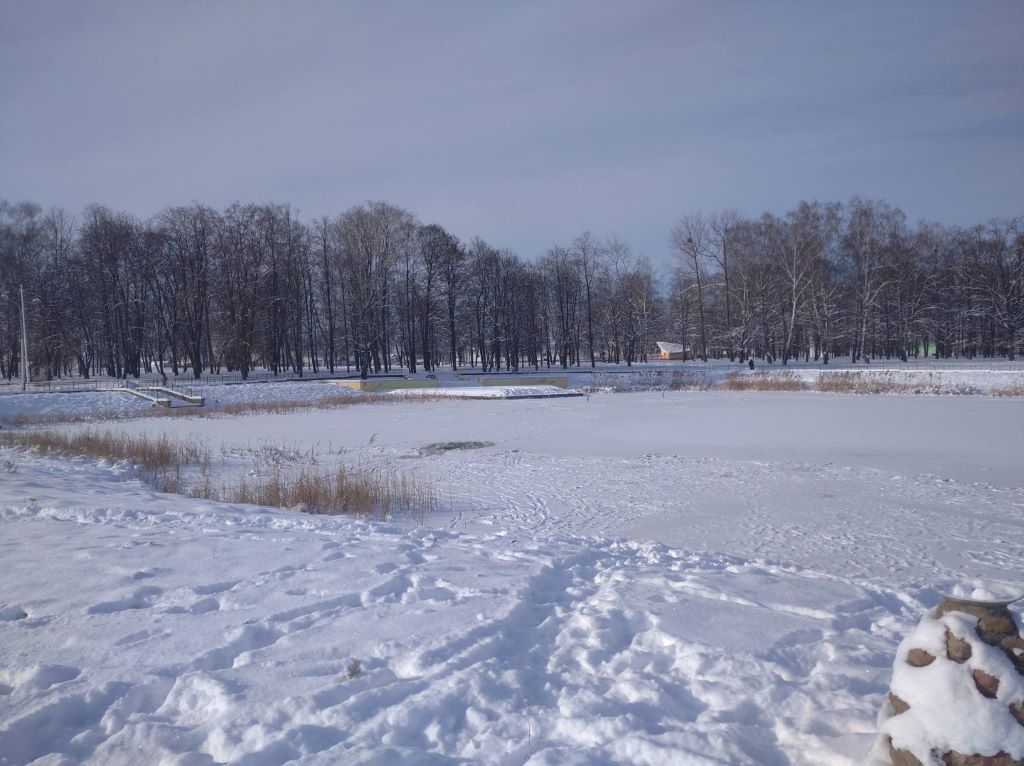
x,y
750,363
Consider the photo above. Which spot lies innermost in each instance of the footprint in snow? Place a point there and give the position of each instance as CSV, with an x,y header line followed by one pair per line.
x,y
213,588
142,598
205,605
40,677
143,635
12,613
148,573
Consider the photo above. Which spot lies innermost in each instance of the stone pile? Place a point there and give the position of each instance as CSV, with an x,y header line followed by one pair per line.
x,y
957,695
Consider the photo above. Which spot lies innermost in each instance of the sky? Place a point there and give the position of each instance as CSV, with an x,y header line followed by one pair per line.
x,y
524,123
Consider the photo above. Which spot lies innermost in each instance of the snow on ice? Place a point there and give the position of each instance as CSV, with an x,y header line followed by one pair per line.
x,y
693,578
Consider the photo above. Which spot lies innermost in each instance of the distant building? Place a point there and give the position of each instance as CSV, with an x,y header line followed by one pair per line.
x,y
672,350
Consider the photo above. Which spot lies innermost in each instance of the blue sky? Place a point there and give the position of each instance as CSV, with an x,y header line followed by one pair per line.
x,y
523,123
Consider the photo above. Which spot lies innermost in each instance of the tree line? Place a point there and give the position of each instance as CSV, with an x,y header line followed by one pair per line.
x,y
374,290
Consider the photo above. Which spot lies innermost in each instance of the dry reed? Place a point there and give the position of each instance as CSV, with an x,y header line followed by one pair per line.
x,y
331,402
374,492
856,382
167,464
763,381
151,453
1015,389
656,380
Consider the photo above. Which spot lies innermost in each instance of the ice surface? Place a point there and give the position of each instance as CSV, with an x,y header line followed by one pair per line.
x,y
485,392
641,578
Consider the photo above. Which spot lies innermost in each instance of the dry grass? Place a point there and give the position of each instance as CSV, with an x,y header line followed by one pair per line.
x,y
835,383
657,380
857,383
332,402
51,419
373,492
159,454
1016,389
167,465
851,382
763,381
688,381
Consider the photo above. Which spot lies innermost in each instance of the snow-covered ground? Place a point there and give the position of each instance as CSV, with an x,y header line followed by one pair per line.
x,y
169,630
245,393
90,404
698,577
93,405
72,405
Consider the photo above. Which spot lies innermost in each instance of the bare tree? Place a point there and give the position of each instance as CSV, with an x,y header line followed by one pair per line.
x,y
691,239
588,255
371,236
997,277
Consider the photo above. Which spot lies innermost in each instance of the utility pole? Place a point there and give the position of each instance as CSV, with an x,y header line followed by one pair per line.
x,y
24,342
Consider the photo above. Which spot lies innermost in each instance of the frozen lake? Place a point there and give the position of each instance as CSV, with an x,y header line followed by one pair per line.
x,y
925,486
969,439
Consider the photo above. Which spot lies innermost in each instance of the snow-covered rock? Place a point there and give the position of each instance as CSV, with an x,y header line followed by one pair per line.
x,y
957,694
